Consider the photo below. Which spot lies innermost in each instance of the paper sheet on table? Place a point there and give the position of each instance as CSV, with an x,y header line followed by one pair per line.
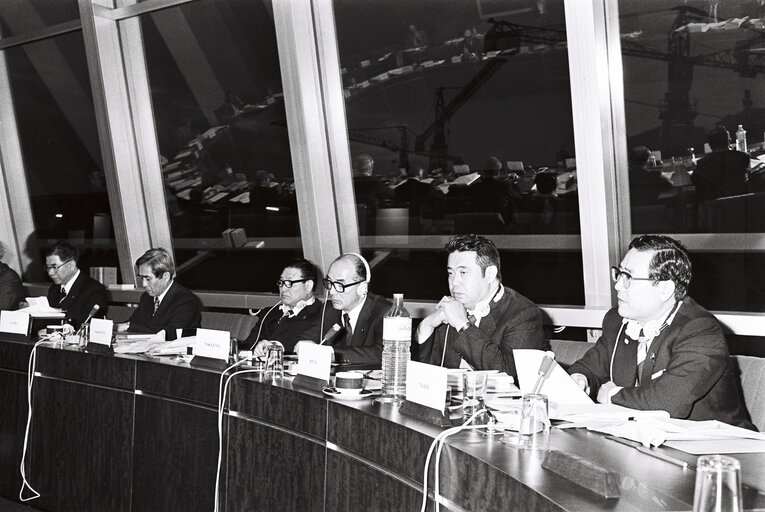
x,y
175,347
137,343
559,386
39,307
718,446
582,414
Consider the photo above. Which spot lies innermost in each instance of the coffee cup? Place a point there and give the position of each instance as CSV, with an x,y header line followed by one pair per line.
x,y
351,383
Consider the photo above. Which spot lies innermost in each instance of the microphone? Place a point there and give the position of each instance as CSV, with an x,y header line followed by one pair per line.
x,y
544,369
333,333
93,311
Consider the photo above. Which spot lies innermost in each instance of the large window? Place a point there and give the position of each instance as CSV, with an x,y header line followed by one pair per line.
x,y
458,123
60,146
692,80
220,121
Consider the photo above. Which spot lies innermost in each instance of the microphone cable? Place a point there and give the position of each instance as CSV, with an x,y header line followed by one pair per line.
x,y
262,321
30,381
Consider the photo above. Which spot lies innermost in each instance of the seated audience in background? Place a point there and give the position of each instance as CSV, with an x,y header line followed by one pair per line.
x,y
645,185
723,172
165,305
298,315
492,194
72,291
264,192
659,349
480,323
11,288
370,191
357,310
415,38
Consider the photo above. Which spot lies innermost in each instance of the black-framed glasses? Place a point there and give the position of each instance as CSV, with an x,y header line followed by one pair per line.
x,y
287,283
338,286
617,273
55,268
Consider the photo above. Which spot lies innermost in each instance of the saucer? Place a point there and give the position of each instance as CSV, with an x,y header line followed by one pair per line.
x,y
364,393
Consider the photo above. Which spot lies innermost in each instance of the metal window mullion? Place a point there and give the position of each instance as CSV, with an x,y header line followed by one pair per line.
x,y
17,228
594,141
106,68
306,126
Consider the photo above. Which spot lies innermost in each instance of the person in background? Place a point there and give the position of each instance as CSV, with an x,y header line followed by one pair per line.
x,y
72,291
660,350
357,310
11,288
481,321
166,304
298,315
370,191
723,172
645,186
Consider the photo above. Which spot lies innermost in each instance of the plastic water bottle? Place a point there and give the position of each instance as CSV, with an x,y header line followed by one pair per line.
x,y
397,338
741,139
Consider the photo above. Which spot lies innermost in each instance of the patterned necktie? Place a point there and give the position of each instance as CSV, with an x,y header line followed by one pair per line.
x,y
156,305
348,328
63,294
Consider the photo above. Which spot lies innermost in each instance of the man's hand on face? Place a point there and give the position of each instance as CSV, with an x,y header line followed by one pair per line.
x,y
454,312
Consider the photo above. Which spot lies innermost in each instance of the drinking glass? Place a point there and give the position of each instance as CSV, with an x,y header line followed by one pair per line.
x,y
473,393
534,428
718,484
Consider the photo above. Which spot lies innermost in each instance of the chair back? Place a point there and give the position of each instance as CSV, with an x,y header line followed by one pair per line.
x,y
752,375
569,352
238,324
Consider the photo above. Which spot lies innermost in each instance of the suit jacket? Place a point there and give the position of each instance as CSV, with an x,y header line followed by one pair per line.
x,y
180,309
721,174
11,289
513,322
366,345
84,294
687,372
288,331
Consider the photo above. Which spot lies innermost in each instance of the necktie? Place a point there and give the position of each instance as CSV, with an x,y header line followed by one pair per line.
x,y
63,294
287,314
642,352
348,328
471,319
156,305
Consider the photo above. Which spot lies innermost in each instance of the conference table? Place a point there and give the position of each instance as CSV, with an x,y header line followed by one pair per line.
x,y
126,432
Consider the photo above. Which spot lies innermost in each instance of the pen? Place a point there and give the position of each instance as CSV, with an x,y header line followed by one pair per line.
x,y
648,451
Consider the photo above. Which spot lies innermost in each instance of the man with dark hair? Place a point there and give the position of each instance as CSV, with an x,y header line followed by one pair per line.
x,y
298,314
357,310
659,349
723,172
72,291
480,323
645,185
165,305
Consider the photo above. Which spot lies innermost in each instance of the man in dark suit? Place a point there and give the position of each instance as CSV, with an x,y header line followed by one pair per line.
x,y
72,291
11,288
480,323
723,172
295,317
356,309
165,305
659,349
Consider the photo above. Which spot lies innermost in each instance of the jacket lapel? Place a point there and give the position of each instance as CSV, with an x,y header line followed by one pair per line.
x,y
362,323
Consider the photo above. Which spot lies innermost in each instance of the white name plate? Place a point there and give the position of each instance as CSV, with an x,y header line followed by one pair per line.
x,y
315,361
101,331
426,384
15,322
213,344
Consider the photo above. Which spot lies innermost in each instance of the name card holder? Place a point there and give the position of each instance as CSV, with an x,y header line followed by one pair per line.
x,y
314,365
583,473
426,391
15,322
212,349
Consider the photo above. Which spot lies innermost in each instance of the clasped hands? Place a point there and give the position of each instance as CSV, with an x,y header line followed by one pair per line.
x,y
605,392
448,311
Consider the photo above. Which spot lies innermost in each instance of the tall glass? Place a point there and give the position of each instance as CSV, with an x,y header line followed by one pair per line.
x,y
718,484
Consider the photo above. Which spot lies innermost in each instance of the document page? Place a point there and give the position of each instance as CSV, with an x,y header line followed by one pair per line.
x,y
559,386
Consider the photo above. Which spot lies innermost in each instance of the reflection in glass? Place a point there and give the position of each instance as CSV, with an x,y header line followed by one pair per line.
x,y
60,146
19,17
692,78
458,123
222,132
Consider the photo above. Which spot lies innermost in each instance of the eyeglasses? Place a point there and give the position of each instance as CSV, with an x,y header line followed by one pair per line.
x,y
287,283
617,273
339,287
55,268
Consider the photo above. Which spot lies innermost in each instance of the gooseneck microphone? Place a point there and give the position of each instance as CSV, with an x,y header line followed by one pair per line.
x,y
544,370
93,311
332,334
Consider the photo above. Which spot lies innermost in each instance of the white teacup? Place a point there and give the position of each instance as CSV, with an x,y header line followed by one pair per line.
x,y
350,383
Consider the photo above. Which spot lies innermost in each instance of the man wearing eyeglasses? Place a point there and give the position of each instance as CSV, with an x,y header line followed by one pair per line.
x,y
72,291
659,349
295,317
357,310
